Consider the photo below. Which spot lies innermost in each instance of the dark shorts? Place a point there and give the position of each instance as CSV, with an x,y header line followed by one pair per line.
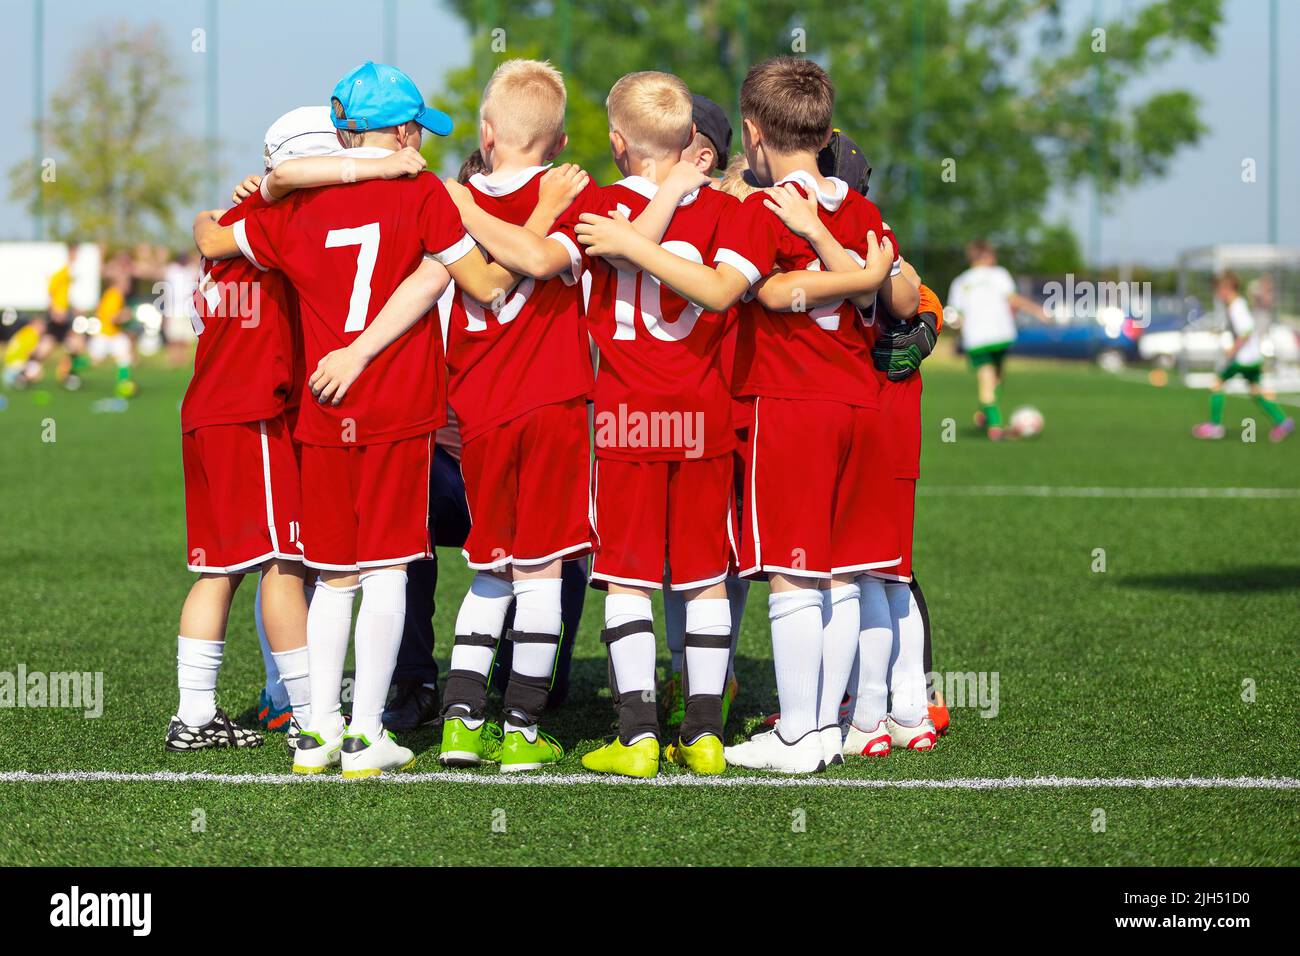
x,y
993,355
1250,373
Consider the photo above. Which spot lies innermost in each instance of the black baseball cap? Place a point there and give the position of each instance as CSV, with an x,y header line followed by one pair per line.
x,y
711,120
844,159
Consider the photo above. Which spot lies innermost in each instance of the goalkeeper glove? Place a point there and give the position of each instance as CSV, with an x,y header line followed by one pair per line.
x,y
899,351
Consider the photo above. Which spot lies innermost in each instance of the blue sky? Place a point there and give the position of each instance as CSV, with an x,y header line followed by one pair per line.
x,y
275,56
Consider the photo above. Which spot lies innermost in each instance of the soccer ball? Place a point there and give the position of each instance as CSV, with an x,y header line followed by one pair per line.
x,y
1026,422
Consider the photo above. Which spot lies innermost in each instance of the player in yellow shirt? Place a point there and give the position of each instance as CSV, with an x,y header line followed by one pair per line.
x,y
111,339
57,330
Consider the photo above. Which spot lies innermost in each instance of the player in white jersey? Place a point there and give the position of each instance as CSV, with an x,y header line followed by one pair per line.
x,y
1243,359
983,303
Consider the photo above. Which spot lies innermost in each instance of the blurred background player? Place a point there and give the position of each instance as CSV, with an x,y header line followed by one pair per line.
x,y
110,337
983,301
1244,360
57,331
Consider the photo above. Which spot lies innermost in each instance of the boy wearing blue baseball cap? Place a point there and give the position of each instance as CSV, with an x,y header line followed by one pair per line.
x,y
365,461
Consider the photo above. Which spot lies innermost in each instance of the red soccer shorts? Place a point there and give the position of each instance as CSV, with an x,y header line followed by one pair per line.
x,y
819,482
524,482
905,518
366,506
652,514
242,505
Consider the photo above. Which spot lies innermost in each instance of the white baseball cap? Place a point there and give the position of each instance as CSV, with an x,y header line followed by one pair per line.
x,y
306,131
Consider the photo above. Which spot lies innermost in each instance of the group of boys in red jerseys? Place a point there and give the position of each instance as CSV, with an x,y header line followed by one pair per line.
x,y
782,330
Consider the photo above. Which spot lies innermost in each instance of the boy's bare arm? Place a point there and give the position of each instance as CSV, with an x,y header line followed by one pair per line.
x,y
713,289
513,247
417,294
484,282
808,289
653,221
331,170
558,189
799,214
214,241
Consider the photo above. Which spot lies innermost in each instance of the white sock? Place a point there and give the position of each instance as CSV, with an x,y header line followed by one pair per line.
x,y
482,612
279,699
875,640
840,623
292,666
379,636
537,611
197,666
633,656
797,654
329,625
908,699
707,666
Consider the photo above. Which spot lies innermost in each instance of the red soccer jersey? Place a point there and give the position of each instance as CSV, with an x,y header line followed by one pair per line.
x,y
824,353
661,391
347,249
901,404
244,363
532,352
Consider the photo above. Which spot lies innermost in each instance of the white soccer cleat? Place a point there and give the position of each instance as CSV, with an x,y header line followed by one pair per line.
x,y
315,753
918,736
832,744
867,743
361,758
770,751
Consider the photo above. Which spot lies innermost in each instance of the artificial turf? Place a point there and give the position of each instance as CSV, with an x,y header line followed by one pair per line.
x,y
1180,660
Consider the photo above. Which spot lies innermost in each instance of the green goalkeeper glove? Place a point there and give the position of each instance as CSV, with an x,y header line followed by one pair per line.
x,y
899,351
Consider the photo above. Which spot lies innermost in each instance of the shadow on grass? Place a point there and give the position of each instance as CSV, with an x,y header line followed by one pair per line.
x,y
1266,577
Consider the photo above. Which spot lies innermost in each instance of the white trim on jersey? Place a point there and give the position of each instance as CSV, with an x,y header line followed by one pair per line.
x,y
240,230
575,258
457,251
514,183
830,202
649,189
739,263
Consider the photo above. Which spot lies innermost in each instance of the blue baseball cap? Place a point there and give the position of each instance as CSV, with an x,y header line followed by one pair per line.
x,y
376,96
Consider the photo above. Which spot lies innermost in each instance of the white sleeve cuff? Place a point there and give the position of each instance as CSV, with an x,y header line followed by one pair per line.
x,y
897,267
262,189
739,263
457,251
240,230
575,257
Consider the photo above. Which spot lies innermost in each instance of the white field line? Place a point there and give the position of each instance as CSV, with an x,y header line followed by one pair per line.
x,y
682,780
1056,491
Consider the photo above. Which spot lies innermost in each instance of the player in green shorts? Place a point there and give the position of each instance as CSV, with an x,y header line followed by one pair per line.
x,y
983,300
1243,359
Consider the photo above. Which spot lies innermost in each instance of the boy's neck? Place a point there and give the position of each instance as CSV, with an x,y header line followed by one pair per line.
x,y
781,165
508,161
374,140
653,168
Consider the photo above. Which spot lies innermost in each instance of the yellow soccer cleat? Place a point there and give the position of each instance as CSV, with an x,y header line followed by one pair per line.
x,y
641,759
704,756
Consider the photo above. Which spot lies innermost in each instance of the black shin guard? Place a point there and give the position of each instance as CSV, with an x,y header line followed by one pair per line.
x,y
703,716
467,690
525,697
638,713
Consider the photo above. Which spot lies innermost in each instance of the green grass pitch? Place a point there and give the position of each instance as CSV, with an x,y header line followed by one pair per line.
x,y
1142,671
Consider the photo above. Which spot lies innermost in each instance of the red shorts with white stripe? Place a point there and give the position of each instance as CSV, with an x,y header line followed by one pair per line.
x,y
819,483
366,506
652,514
523,482
242,505
905,518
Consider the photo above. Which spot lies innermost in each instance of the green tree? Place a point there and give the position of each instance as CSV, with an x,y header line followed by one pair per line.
x,y
967,130
111,172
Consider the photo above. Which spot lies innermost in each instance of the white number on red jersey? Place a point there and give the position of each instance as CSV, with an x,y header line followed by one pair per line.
x,y
476,318
828,316
650,309
367,239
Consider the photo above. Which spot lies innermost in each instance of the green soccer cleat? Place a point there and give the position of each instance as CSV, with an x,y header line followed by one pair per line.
x,y
520,753
463,747
674,701
702,757
640,759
